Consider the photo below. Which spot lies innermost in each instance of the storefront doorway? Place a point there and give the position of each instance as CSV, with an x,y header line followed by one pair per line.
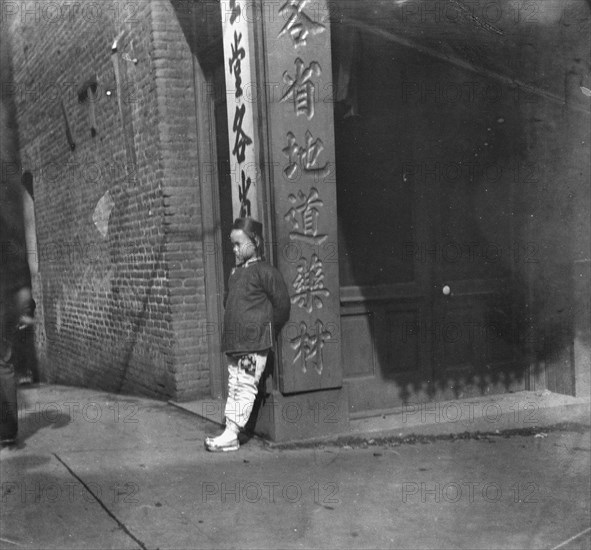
x,y
428,157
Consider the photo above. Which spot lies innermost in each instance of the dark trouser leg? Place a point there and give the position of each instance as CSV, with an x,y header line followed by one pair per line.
x,y
8,403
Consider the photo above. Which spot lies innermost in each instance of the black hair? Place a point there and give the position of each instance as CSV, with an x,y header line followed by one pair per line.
x,y
254,231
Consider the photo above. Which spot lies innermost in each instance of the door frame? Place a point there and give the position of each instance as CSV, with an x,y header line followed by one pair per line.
x,y
207,172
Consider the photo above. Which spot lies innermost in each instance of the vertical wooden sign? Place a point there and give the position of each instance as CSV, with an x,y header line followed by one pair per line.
x,y
301,137
238,37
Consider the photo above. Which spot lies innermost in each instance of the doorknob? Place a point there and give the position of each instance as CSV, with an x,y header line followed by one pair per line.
x,y
446,290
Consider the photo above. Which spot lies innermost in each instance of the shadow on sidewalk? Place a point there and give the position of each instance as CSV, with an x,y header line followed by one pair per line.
x,y
33,417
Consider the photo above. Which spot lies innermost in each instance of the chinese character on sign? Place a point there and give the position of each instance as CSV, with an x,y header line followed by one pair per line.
x,y
309,285
242,140
304,157
235,65
301,88
235,11
299,25
304,218
309,346
243,196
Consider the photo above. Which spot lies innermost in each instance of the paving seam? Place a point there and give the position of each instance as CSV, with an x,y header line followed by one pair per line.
x,y
102,505
572,538
9,541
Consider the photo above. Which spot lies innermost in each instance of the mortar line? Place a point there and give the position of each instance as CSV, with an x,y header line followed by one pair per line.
x,y
102,505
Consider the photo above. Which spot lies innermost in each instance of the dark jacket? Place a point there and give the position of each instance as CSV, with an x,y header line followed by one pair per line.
x,y
257,307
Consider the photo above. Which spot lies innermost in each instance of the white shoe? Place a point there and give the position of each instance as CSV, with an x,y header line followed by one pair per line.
x,y
213,445
227,441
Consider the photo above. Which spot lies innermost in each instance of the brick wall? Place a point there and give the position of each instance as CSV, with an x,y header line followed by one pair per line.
x,y
123,311
183,250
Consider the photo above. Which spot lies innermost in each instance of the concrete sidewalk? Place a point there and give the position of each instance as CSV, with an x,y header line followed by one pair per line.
x,y
95,470
490,413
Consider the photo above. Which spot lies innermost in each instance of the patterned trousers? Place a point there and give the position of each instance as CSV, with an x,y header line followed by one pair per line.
x,y
244,373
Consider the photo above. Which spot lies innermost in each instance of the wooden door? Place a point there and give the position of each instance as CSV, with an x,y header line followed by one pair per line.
x,y
466,152
427,210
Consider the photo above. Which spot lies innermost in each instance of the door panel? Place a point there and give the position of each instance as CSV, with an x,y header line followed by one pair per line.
x,y
404,343
471,227
385,357
375,205
358,346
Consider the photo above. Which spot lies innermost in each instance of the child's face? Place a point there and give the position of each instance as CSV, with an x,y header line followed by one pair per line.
x,y
242,246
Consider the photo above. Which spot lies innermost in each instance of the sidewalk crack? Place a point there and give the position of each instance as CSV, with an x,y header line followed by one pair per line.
x,y
102,505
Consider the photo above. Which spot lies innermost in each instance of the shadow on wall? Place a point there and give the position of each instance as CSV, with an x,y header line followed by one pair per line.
x,y
132,305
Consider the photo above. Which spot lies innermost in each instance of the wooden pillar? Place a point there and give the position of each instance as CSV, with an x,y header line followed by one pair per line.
x,y
302,154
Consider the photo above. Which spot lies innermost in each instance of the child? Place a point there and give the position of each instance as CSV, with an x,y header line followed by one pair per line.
x,y
257,307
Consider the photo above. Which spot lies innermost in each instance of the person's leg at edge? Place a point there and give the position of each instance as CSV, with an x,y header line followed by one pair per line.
x,y
8,403
231,432
244,373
